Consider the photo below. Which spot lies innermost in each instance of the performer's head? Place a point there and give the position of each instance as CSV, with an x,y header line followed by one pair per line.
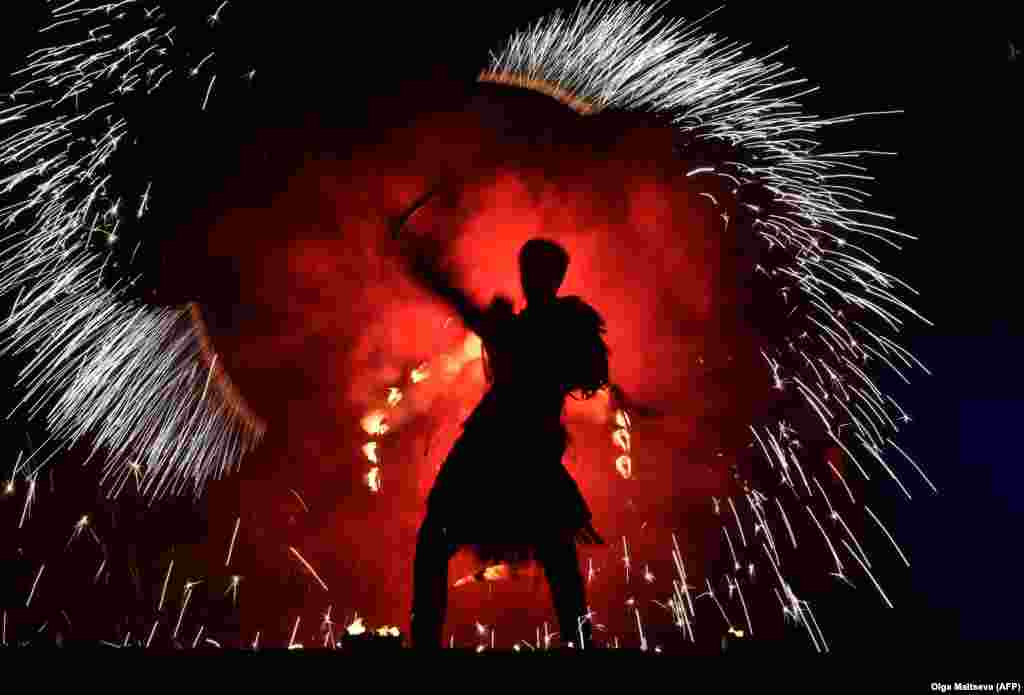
x,y
542,267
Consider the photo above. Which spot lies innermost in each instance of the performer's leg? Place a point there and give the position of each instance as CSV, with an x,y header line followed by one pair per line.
x,y
562,567
430,585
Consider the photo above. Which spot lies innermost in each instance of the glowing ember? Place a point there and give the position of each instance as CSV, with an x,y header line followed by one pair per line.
x,y
419,374
624,465
357,627
373,479
496,572
648,575
370,450
394,396
624,440
375,424
233,588
493,573
388,632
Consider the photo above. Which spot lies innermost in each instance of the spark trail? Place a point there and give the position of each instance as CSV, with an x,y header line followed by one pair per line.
x,y
102,364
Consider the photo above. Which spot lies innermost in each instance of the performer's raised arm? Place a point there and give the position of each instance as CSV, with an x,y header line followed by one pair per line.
x,y
441,282
424,259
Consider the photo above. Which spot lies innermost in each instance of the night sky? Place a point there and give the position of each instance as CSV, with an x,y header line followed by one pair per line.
x,y
351,109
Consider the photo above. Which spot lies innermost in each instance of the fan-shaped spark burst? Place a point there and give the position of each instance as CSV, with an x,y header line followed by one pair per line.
x,y
620,56
141,381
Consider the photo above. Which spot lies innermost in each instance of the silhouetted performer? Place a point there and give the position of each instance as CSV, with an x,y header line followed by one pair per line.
x,y
503,491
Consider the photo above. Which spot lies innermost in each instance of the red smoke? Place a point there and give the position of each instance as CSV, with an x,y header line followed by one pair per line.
x,y
316,322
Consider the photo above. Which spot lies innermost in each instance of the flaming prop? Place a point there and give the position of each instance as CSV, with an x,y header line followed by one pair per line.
x,y
356,627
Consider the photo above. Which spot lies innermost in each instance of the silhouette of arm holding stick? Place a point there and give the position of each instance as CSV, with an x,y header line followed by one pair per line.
x,y
423,257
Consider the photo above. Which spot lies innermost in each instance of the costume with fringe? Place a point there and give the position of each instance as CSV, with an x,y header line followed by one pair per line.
x,y
503,491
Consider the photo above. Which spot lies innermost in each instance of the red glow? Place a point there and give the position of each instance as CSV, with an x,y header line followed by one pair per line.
x,y
330,324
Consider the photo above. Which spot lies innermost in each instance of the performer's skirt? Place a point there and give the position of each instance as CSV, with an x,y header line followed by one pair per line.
x,y
503,492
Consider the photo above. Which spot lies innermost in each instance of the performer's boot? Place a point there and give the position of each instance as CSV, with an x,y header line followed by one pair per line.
x,y
426,632
430,587
561,565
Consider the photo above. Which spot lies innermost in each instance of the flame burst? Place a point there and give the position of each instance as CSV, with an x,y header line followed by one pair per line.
x,y
394,396
624,465
492,573
373,479
375,424
623,439
356,627
370,451
421,373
